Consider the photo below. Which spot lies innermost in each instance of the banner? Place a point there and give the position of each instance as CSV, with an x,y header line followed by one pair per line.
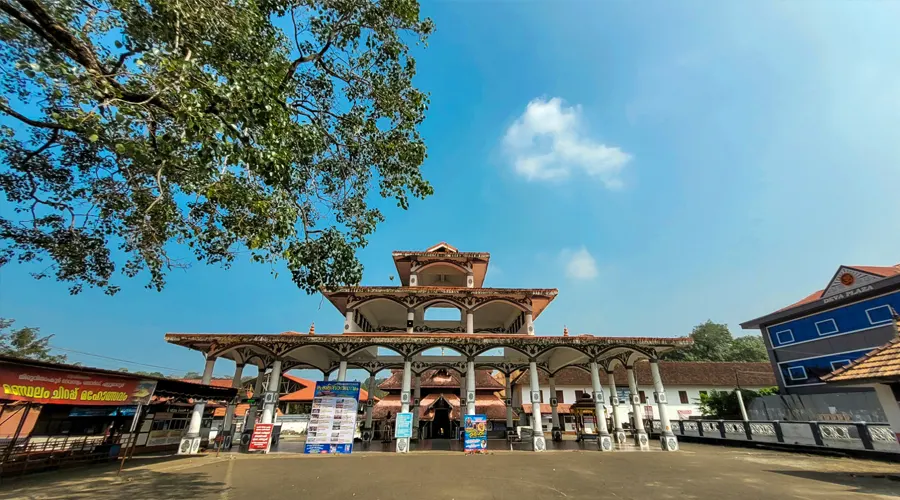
x,y
332,421
261,437
403,428
476,434
39,385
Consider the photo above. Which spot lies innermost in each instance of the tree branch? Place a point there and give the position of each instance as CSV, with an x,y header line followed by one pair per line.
x,y
316,55
34,123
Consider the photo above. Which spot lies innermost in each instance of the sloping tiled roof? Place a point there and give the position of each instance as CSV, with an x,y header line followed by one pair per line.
x,y
881,364
239,411
307,393
562,408
436,379
699,373
489,405
883,271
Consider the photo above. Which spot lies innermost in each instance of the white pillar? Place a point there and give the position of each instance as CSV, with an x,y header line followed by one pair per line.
x,y
236,383
554,411
403,443
529,324
370,406
410,320
891,407
740,398
470,322
417,399
667,438
349,324
536,425
250,417
342,371
463,405
618,432
268,415
197,413
604,441
509,409
470,387
640,435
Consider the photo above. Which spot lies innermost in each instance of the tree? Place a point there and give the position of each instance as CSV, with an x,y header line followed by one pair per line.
x,y
26,342
146,374
713,342
724,404
192,375
169,131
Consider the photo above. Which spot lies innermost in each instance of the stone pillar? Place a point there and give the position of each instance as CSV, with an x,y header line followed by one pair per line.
x,y
325,376
417,399
536,425
342,371
190,443
470,387
891,407
229,411
555,431
410,320
463,405
618,431
640,435
604,441
529,324
269,409
403,443
250,417
509,399
667,438
370,404
349,324
470,322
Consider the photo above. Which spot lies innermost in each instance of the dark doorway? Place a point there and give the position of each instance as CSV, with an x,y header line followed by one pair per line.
x,y
440,426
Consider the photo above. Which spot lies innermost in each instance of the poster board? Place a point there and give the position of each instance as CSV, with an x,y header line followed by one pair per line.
x,y
403,427
261,438
332,421
49,386
476,434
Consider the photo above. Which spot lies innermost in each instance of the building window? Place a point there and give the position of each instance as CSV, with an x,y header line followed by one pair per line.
x,y
578,395
839,363
826,326
642,396
559,397
682,395
879,315
784,337
797,373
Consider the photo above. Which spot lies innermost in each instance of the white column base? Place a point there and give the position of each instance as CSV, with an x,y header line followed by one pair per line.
x,y
539,443
668,443
620,437
189,446
641,440
402,445
605,443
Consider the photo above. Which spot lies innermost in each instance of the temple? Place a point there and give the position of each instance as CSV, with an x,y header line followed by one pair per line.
x,y
446,365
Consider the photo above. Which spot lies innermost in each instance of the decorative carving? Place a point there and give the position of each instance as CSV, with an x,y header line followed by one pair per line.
x,y
762,429
838,432
710,427
429,329
882,434
690,426
733,428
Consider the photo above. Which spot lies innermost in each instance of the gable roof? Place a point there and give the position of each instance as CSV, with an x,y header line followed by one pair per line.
x,y
435,379
694,373
443,247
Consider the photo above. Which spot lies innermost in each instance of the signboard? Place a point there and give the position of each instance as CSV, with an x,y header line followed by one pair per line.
x,y
476,434
332,421
403,427
39,385
685,414
261,437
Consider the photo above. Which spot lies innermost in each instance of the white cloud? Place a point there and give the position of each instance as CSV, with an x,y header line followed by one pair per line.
x,y
548,143
579,264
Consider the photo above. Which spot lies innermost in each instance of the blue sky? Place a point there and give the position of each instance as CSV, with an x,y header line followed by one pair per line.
x,y
659,163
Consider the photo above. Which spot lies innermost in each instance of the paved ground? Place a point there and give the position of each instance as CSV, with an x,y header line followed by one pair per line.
x,y
698,471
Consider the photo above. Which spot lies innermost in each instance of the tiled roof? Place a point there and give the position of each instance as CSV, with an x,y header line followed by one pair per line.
x,y
562,408
239,411
216,382
307,393
488,405
883,271
435,379
881,364
699,373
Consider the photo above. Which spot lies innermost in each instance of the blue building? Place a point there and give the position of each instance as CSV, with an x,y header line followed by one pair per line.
x,y
832,327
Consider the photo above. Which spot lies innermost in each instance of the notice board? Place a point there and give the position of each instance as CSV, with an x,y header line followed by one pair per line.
x,y
332,421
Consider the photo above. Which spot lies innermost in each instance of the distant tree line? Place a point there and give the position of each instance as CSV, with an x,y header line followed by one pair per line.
x,y
714,342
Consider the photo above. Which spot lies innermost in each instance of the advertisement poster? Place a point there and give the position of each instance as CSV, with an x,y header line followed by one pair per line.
x,y
332,421
476,434
72,387
261,437
404,425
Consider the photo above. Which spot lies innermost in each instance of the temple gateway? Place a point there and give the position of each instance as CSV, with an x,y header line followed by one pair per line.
x,y
443,368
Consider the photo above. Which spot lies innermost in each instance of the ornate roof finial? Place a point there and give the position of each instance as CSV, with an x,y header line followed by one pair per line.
x,y
312,328
565,331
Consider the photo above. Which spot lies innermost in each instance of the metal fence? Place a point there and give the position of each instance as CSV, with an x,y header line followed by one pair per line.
x,y
838,435
43,452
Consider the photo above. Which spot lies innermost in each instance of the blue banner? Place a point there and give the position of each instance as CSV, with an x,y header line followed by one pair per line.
x,y
404,425
476,434
332,421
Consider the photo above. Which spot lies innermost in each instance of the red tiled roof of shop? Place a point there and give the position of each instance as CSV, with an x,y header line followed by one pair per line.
x,y
489,405
435,379
882,363
700,373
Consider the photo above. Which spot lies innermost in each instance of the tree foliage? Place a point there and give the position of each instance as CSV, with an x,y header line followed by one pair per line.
x,y
26,342
146,374
724,404
713,342
143,135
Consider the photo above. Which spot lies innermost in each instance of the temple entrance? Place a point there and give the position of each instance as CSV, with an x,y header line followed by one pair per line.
x,y
441,426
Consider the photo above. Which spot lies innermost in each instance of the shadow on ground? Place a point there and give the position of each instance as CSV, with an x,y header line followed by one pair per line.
x,y
878,483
